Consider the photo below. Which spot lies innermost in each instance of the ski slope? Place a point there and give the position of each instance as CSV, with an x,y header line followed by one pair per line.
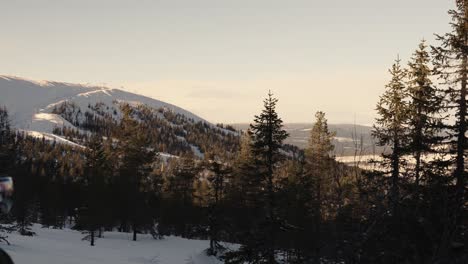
x,y
52,246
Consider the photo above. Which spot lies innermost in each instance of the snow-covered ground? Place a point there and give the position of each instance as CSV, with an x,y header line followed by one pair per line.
x,y
52,246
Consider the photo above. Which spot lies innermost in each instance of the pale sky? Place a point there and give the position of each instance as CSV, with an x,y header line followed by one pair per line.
x,y
219,58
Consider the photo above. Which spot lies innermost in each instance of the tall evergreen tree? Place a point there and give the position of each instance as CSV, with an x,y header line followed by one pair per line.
x,y
7,153
219,173
425,110
267,139
267,135
318,167
391,128
180,192
244,185
94,213
451,61
25,204
242,197
300,241
6,142
136,165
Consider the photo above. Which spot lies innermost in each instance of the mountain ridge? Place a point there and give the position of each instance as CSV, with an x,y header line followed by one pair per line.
x,y
25,98
68,113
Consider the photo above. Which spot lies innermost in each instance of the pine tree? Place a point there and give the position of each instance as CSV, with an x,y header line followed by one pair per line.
x,y
318,154
243,190
320,141
136,165
267,136
391,127
425,109
93,215
25,204
219,172
6,142
451,61
180,191
318,168
7,153
244,184
297,203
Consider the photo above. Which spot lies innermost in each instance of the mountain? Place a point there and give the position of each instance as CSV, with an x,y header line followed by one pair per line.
x,y
30,102
53,109
347,141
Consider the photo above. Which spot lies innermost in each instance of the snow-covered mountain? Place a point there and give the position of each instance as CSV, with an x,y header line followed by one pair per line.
x,y
30,103
32,106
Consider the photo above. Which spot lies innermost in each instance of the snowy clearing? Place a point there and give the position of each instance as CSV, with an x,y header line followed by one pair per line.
x,y
66,247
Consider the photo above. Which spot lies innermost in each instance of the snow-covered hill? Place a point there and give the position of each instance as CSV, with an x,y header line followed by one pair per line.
x,y
66,247
67,113
30,103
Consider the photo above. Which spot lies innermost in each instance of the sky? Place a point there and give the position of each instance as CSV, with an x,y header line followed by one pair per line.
x,y
219,58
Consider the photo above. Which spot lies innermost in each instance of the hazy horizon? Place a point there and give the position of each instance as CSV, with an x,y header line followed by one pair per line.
x,y
219,59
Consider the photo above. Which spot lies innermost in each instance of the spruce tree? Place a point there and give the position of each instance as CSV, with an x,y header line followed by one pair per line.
x,y
425,110
267,139
297,201
94,213
318,168
25,204
243,190
267,136
7,153
219,173
6,142
244,185
136,161
180,190
320,141
451,61
391,128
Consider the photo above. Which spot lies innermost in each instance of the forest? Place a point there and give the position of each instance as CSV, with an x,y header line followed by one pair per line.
x,y
280,204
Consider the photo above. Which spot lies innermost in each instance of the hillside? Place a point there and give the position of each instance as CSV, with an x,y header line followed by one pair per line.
x,y
63,112
30,102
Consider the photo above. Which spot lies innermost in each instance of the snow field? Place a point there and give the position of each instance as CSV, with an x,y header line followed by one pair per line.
x,y
66,246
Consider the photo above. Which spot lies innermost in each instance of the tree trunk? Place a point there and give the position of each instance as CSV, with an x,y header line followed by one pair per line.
x,y
417,168
419,146
271,199
395,173
461,138
92,238
213,248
